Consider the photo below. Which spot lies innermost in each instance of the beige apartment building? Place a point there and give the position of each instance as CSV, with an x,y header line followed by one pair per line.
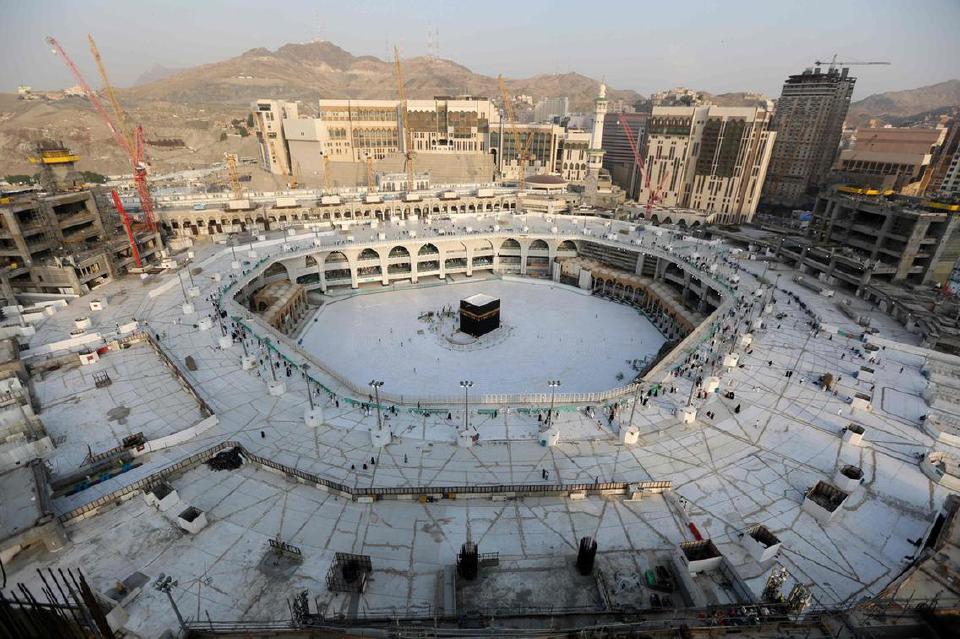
x,y
889,158
708,158
353,131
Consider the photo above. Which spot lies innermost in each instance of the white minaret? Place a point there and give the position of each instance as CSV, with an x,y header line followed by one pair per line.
x,y
595,154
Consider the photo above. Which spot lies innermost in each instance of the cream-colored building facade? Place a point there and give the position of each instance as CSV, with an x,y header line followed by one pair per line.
x,y
708,158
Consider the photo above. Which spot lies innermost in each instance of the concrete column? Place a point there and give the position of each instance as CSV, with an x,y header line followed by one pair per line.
x,y
413,267
469,261
882,235
930,274
524,252
910,252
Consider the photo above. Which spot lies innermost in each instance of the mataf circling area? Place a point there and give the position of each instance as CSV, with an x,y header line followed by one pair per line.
x,y
548,331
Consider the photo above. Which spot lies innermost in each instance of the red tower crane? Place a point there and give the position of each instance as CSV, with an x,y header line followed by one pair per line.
x,y
126,224
135,153
639,160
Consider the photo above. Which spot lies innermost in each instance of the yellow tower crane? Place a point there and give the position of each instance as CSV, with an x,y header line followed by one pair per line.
x,y
118,114
371,181
327,182
409,155
522,148
234,175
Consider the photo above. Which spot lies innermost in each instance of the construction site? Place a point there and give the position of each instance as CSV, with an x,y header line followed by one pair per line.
x,y
585,416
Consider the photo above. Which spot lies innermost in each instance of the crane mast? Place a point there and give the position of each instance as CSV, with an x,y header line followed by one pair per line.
x,y
111,94
234,174
126,224
409,155
522,148
638,160
131,144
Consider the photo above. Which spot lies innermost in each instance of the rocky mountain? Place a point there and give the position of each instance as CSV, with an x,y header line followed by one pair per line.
x,y
894,106
202,106
321,69
154,73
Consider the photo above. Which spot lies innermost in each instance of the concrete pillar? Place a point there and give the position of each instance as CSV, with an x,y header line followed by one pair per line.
x,y
910,251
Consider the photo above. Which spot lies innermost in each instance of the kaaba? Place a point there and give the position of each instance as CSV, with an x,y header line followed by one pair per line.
x,y
479,314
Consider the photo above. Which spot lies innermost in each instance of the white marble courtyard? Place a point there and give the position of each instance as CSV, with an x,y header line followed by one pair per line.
x,y
733,470
552,331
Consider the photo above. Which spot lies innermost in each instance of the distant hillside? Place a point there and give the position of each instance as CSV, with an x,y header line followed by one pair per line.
x,y
154,73
322,69
203,105
892,106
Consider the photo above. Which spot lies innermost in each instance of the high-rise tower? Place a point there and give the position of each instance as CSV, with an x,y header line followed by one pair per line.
x,y
808,121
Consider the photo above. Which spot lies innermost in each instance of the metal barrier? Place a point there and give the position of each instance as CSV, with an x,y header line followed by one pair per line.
x,y
374,493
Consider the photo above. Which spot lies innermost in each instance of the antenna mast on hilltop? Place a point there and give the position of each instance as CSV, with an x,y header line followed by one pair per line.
x,y
433,43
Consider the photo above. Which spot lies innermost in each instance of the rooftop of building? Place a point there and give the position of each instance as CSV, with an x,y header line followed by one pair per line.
x,y
21,505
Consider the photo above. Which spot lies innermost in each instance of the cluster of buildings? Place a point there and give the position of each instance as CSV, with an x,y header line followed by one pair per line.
x,y
61,241
465,139
456,139
723,160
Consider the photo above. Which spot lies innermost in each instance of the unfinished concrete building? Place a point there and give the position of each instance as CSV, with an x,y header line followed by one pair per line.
x,y
867,236
61,244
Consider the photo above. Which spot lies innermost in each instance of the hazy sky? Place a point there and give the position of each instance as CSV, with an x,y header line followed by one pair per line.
x,y
730,45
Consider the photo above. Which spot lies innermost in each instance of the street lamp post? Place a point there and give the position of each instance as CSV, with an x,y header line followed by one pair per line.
x,y
306,380
466,385
636,398
554,384
182,287
273,369
165,584
376,384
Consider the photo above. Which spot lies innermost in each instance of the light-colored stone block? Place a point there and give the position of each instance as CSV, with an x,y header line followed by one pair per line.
x,y
550,437
192,520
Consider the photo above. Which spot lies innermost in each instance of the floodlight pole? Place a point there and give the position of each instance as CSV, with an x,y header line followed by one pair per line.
x,y
182,288
553,384
306,380
636,398
273,370
165,584
376,384
465,385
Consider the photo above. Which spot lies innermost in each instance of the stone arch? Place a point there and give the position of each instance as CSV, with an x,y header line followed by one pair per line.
x,y
335,257
567,245
369,254
277,268
428,249
668,221
399,251
510,244
539,245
